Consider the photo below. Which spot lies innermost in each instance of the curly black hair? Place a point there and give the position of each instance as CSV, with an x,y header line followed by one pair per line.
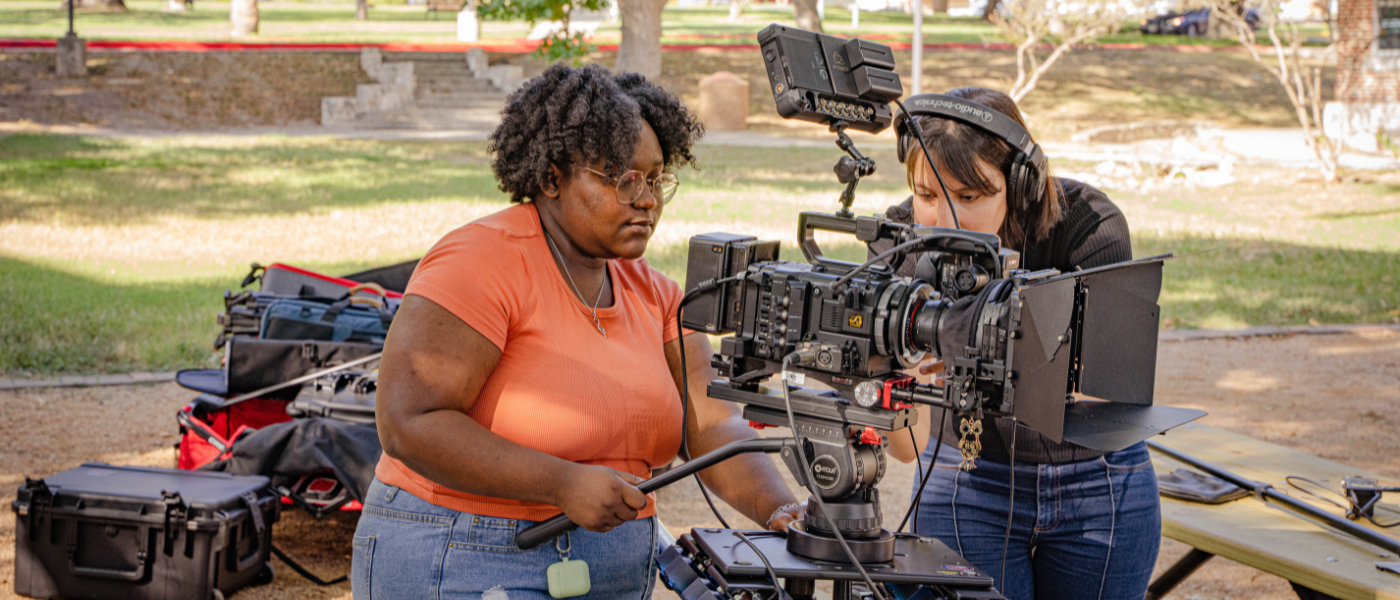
x,y
585,115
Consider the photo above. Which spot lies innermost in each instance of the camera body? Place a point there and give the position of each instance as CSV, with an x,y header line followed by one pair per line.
x,y
859,328
1027,342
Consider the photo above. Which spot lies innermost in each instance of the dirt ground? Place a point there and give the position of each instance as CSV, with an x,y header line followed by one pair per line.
x,y
1335,396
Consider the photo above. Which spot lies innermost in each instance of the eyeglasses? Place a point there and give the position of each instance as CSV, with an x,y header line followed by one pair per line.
x,y
632,183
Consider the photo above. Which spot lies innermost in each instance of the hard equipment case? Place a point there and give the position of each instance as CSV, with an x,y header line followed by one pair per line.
x,y
104,531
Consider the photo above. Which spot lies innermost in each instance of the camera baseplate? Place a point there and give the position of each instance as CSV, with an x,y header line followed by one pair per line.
x,y
715,560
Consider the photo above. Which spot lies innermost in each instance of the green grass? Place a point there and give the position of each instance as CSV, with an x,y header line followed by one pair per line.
x,y
74,310
80,180
73,320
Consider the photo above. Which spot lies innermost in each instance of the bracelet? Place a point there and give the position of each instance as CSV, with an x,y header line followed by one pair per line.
x,y
769,523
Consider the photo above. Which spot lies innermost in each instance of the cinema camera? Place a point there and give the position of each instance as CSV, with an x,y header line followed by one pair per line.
x,y
1044,348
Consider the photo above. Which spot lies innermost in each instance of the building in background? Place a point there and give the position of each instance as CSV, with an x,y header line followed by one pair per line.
x,y
1367,107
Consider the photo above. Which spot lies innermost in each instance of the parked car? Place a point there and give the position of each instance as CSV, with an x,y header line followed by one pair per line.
x,y
1194,23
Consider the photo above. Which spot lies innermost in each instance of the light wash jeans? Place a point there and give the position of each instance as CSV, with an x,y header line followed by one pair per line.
x,y
405,547
1086,530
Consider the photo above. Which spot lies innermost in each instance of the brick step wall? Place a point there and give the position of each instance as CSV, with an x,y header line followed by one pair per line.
x,y
425,91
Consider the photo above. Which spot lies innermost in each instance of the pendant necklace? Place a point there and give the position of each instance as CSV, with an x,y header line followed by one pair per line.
x,y
596,301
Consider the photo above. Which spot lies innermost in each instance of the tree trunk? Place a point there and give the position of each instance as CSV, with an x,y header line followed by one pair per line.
x,y
640,50
361,10
805,12
990,10
940,7
244,14
736,9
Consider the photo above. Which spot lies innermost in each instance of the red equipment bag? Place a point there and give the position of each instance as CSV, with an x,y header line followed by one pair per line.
x,y
208,429
279,278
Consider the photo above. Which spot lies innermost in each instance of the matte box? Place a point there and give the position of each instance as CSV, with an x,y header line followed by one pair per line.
x,y
104,531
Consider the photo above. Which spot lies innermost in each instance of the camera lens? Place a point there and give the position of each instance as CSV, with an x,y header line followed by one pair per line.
x,y
925,326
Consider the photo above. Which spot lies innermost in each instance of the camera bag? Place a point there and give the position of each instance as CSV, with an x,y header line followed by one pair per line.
x,y
287,280
252,363
105,531
349,319
208,428
243,311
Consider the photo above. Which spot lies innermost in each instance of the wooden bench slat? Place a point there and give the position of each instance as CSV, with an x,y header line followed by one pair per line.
x,y
1269,537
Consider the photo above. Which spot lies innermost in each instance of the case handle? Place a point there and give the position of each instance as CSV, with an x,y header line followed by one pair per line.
x,y
370,287
143,534
132,575
260,535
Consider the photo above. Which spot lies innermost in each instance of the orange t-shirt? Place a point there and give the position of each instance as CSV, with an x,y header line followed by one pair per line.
x,y
560,387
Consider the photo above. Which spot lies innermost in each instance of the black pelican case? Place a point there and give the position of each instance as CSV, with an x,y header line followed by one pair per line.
x,y
104,531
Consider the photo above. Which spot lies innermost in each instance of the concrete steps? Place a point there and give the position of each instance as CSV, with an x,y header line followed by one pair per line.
x,y
425,91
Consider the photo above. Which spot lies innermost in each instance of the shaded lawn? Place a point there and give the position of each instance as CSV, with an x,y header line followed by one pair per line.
x,y
70,316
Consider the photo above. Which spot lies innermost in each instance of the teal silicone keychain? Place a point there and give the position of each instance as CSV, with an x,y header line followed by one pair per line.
x,y
567,578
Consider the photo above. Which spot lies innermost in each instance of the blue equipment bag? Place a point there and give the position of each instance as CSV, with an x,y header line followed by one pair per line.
x,y
349,319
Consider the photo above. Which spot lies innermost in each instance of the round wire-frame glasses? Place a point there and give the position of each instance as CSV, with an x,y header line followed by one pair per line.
x,y
631,184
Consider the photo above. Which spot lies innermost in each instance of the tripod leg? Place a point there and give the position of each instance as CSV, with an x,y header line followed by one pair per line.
x,y
800,589
841,590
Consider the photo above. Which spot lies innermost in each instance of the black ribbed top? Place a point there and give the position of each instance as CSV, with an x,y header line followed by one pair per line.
x,y
1091,233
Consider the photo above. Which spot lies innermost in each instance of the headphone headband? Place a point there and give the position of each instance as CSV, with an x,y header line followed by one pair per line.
x,y
978,116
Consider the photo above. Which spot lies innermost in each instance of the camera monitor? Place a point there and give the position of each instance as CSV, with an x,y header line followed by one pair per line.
x,y
824,79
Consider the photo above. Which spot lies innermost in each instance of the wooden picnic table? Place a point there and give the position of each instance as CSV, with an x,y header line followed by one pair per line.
x,y
1267,536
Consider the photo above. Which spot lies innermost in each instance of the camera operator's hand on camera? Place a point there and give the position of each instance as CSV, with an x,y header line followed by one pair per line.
x,y
600,498
786,515
929,368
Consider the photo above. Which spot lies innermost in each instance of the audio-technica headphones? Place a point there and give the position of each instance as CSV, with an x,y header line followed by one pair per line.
x,y
1025,177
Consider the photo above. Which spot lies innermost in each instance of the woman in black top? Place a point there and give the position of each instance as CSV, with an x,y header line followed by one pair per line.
x,y
1087,525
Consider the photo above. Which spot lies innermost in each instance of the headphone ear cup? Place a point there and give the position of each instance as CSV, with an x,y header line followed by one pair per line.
x,y
1035,185
1016,183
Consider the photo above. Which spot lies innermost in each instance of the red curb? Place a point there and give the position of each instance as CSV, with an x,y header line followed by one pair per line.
x,y
195,46
512,46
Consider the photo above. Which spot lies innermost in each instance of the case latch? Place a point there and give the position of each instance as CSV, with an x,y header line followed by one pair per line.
x,y
254,510
176,515
40,503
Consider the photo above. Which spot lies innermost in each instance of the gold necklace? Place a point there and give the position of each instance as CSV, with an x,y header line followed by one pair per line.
x,y
596,301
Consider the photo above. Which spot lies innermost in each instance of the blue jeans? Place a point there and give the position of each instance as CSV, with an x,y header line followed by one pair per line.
x,y
1081,530
405,547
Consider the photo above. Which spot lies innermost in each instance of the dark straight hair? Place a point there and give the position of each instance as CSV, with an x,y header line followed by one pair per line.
x,y
958,148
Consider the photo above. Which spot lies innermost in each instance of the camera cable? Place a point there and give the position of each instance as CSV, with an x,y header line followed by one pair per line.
x,y
903,246
926,474
706,286
812,485
1011,508
919,135
1354,509
772,575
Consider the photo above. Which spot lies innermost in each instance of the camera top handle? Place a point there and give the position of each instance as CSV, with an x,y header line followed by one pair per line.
x,y
866,229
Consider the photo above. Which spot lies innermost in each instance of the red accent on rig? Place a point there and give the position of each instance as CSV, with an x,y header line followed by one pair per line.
x,y
893,383
757,425
870,436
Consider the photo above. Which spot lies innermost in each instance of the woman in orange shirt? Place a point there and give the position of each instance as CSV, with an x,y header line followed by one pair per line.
x,y
534,366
